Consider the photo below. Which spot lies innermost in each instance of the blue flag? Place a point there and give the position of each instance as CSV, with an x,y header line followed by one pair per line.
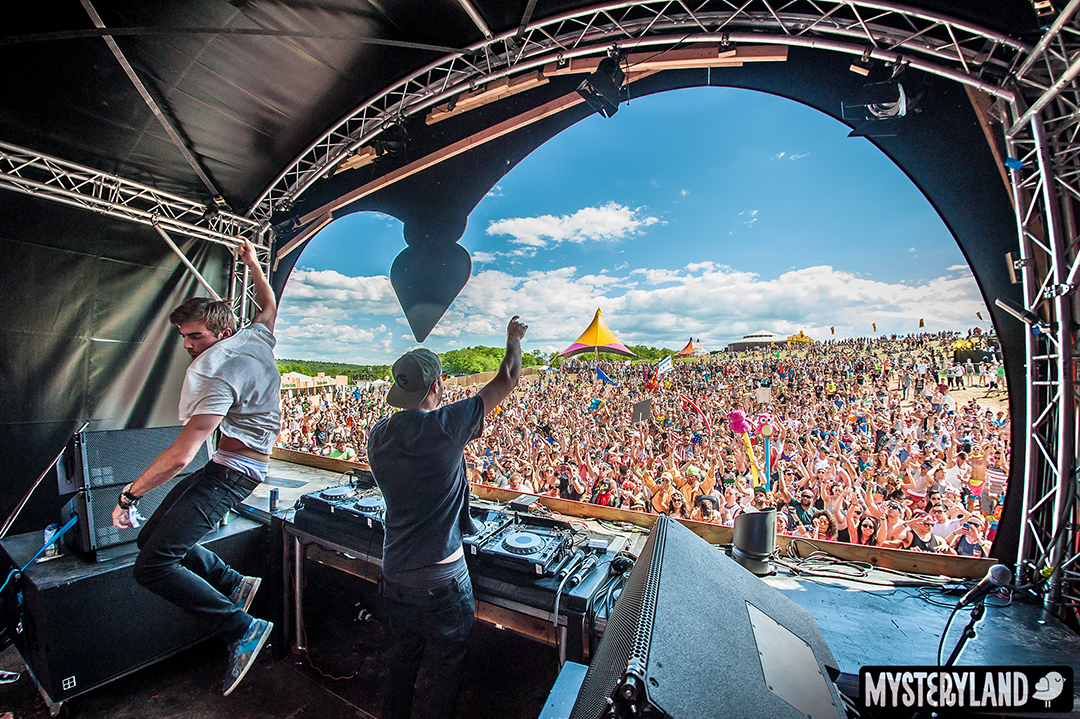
x,y
600,375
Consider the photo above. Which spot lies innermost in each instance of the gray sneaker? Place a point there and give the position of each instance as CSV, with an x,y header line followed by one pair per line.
x,y
244,593
243,651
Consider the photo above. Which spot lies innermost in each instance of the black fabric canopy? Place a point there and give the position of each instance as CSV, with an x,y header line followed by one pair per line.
x,y
249,86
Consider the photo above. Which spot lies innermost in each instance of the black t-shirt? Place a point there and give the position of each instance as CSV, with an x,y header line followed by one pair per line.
x,y
418,461
567,490
804,516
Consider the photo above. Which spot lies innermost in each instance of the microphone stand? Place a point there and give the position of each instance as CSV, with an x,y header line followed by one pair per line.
x,y
977,611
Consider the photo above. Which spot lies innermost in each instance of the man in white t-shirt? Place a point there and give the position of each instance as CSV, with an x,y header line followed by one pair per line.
x,y
232,385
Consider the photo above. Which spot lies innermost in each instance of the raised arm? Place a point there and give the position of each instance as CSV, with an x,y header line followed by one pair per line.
x,y
264,295
500,387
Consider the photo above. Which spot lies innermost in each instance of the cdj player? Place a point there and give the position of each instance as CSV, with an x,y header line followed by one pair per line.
x,y
350,518
527,547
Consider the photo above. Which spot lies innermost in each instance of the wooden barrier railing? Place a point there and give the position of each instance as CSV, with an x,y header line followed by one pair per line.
x,y
896,559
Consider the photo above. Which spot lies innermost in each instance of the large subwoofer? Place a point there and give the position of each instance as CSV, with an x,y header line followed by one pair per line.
x,y
695,635
93,470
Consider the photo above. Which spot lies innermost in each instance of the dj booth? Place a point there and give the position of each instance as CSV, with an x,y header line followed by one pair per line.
x,y
544,578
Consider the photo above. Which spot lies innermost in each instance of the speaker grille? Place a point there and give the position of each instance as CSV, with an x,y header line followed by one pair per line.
x,y
103,501
625,636
105,462
116,457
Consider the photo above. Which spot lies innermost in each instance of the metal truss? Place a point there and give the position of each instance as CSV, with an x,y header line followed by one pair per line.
x,y
885,31
33,173
1044,158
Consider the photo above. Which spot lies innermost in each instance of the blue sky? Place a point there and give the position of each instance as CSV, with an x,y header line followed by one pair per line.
x,y
708,213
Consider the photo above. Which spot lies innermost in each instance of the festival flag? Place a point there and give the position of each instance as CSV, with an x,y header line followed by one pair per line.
x,y
687,401
832,330
922,324
875,326
979,315
600,375
664,367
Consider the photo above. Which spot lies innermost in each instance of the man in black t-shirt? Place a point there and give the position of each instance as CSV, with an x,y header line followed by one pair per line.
x,y
417,459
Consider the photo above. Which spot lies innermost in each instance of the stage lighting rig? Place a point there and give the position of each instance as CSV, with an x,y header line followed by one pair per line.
x,y
863,65
392,141
877,101
1023,314
604,88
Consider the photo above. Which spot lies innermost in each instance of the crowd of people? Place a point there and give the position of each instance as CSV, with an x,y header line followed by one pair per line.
x,y
868,443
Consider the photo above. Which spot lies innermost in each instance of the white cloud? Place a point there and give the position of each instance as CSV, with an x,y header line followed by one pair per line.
x,y
653,306
496,191
327,293
798,157
684,193
779,156
751,216
485,258
911,249
955,268
607,222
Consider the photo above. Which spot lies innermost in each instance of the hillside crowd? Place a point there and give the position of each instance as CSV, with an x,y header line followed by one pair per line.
x,y
868,443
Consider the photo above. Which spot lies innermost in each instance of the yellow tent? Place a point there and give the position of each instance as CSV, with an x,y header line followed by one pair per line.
x,y
597,338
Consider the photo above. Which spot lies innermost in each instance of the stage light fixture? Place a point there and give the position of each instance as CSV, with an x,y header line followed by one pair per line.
x,y
863,65
755,540
603,89
877,101
1020,312
391,141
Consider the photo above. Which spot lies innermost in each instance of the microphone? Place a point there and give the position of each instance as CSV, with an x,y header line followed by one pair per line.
x,y
584,570
998,576
572,565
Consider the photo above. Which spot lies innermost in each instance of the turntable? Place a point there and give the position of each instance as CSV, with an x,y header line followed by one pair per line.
x,y
372,508
492,521
331,500
525,547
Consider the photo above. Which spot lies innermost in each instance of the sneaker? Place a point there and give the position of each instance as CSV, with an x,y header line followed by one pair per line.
x,y
242,652
244,593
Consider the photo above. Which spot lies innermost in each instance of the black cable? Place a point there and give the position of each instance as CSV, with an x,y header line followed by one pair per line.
x,y
941,642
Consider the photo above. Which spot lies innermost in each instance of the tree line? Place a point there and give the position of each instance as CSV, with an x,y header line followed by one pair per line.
x,y
469,360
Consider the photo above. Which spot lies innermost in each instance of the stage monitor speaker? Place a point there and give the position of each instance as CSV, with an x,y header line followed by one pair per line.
x,y
79,625
95,467
693,634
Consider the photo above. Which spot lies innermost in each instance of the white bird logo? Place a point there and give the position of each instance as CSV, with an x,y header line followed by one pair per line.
x,y
1049,687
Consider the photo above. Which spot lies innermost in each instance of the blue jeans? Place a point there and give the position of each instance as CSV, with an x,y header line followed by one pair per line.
x,y
174,566
439,619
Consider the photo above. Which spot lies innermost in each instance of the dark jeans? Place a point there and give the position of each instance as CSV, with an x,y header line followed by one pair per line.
x,y
440,620
174,566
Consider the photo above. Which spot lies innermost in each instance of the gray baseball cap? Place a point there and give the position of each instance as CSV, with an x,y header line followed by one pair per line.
x,y
414,373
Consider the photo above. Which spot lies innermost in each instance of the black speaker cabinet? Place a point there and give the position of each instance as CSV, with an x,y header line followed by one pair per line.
x,y
94,469
82,624
695,635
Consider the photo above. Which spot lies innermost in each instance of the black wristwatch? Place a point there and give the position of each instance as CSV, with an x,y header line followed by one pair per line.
x,y
127,499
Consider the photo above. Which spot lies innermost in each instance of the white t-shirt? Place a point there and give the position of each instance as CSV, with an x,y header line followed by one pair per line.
x,y
238,379
948,527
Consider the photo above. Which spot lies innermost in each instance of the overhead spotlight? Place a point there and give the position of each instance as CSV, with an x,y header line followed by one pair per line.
x,y
1046,11
603,89
1020,312
863,65
877,101
391,141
